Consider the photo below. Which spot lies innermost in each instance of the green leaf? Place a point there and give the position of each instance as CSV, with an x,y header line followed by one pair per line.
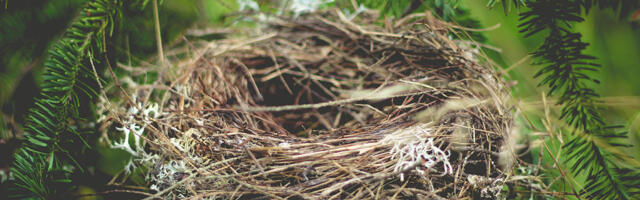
x,y
36,142
51,157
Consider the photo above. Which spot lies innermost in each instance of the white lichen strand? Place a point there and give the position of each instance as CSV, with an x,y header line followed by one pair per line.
x,y
489,187
414,147
173,171
132,128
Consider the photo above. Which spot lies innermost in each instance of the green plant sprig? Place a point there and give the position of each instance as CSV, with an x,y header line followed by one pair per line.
x,y
44,163
566,72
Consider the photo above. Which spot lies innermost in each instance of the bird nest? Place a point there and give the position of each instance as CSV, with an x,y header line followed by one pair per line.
x,y
320,107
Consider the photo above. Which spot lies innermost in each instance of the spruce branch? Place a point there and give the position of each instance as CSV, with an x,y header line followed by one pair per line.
x,y
43,165
566,72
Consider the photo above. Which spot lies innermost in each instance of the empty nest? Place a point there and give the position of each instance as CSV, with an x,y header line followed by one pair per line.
x,y
321,107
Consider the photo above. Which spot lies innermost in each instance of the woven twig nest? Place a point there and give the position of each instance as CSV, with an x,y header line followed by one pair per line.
x,y
324,107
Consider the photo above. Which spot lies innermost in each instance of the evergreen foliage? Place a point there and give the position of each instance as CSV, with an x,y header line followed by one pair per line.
x,y
566,72
26,29
43,165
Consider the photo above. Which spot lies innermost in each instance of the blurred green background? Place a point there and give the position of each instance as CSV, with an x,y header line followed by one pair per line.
x,y
29,27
